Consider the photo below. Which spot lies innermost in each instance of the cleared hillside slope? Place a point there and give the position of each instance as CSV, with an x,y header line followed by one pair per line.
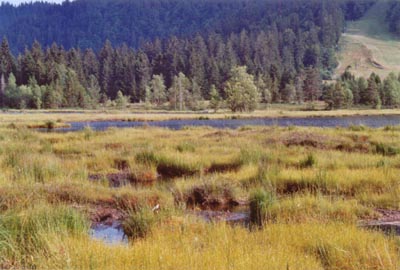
x,y
367,45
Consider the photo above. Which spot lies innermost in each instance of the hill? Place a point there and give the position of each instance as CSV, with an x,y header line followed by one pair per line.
x,y
368,46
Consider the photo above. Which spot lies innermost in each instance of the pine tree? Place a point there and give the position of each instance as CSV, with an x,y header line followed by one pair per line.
x,y
90,64
215,98
288,93
2,90
312,85
339,97
106,68
391,91
7,62
158,89
143,74
94,90
197,61
262,87
362,85
299,85
372,93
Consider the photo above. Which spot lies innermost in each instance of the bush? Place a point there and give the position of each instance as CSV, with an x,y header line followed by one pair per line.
x,y
260,202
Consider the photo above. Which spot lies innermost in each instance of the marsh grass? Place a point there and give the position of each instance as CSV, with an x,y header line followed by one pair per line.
x,y
47,196
24,235
182,244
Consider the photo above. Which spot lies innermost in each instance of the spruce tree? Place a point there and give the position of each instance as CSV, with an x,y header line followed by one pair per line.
x,y
215,98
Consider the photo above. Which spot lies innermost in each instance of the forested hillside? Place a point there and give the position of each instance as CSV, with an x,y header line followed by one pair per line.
x,y
88,23
91,51
393,17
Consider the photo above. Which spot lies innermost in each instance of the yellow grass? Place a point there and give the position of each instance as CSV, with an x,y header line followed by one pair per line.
x,y
312,225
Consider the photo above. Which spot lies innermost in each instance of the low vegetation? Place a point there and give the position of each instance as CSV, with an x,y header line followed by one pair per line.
x,y
305,196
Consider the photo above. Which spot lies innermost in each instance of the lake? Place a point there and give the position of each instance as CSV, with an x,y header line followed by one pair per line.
x,y
369,121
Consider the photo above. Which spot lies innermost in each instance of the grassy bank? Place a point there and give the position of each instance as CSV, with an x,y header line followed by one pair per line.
x,y
311,187
42,118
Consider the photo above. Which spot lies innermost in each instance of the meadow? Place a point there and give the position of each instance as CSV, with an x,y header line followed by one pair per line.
x,y
368,46
308,192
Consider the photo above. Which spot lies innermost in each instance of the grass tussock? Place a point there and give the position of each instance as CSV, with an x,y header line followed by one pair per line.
x,y
260,203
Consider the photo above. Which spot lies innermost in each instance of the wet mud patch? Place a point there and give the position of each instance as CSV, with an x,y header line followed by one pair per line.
x,y
352,143
114,146
295,186
223,167
106,215
124,178
389,222
121,164
168,167
208,198
174,170
234,217
306,139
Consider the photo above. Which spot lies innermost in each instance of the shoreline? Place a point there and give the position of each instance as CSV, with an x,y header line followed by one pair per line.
x,y
31,117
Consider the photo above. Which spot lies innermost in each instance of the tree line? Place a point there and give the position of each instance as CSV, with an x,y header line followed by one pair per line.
x,y
374,91
287,51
